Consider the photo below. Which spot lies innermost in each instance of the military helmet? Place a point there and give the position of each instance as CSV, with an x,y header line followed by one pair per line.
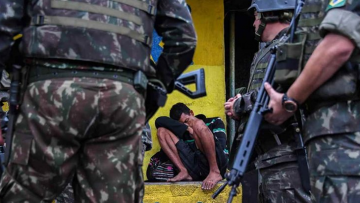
x,y
262,6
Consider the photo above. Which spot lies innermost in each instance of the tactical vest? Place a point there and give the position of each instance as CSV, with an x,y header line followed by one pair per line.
x,y
260,63
292,57
117,32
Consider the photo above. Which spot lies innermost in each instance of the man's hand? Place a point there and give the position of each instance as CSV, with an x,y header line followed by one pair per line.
x,y
279,114
229,107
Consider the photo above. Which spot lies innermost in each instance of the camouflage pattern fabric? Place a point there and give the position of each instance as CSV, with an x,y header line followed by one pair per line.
x,y
67,196
335,168
85,128
330,116
332,128
172,22
282,184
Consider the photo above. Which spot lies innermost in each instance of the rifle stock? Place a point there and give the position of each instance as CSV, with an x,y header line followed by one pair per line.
x,y
157,94
197,77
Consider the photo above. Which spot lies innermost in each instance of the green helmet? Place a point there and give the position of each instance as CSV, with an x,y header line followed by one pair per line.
x,y
273,9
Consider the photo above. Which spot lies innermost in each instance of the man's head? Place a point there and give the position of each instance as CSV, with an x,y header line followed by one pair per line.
x,y
275,13
181,112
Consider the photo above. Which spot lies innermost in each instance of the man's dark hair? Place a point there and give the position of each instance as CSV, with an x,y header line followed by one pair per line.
x,y
177,110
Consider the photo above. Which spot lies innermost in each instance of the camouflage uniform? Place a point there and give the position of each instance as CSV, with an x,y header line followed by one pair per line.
x,y
279,179
332,128
67,196
87,125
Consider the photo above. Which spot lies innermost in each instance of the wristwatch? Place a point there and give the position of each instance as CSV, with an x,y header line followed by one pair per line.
x,y
289,104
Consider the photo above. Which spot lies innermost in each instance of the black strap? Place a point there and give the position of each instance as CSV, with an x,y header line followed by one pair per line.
x,y
300,152
43,73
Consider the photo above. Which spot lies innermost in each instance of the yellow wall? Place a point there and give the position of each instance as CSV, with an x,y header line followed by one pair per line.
x,y
208,16
186,192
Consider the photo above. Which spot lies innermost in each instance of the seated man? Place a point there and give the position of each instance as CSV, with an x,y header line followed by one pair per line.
x,y
196,145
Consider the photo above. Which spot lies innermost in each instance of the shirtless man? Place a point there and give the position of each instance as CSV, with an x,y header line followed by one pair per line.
x,y
196,145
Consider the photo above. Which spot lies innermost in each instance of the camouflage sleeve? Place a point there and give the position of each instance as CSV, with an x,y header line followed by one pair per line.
x,y
245,103
11,16
342,19
174,24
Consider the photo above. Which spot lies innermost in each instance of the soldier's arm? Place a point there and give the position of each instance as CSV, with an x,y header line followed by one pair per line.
x,y
332,52
326,60
11,24
174,24
341,32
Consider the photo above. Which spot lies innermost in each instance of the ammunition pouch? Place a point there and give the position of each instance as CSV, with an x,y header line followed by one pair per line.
x,y
289,59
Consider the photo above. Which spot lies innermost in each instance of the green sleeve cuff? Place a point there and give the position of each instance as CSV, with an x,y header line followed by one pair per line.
x,y
342,22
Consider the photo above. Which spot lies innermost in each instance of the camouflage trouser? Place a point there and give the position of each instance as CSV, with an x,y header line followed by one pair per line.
x,y
83,128
281,183
67,196
334,163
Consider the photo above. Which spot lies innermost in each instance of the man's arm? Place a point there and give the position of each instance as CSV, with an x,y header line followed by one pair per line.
x,y
341,32
207,144
326,60
174,24
328,57
11,16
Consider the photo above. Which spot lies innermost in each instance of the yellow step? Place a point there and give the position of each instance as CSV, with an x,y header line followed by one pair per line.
x,y
185,192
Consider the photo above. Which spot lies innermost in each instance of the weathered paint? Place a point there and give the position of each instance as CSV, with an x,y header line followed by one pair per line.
x,y
185,192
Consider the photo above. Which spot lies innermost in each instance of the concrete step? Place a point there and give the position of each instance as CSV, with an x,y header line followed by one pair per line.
x,y
185,192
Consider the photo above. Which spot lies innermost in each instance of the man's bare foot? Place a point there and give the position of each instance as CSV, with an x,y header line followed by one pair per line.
x,y
211,180
182,175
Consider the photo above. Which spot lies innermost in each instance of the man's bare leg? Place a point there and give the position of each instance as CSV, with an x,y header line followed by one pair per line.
x,y
167,142
204,140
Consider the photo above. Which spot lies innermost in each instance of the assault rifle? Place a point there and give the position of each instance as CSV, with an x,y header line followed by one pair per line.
x,y
252,129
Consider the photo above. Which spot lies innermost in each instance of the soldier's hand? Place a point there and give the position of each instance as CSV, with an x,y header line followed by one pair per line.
x,y
229,107
279,114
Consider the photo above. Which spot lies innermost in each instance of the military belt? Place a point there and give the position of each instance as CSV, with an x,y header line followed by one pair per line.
x,y
270,140
39,73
